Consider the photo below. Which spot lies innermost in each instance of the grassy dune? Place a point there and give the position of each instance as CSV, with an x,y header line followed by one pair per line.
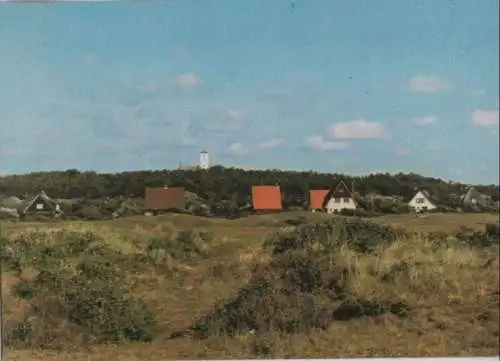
x,y
179,286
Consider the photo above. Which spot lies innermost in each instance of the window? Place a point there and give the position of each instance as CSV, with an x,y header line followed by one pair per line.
x,y
419,200
337,200
346,200
39,206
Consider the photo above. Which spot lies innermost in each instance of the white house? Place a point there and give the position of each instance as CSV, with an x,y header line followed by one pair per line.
x,y
341,198
421,202
473,199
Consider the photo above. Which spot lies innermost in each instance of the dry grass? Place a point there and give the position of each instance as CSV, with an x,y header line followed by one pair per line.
x,y
445,222
452,293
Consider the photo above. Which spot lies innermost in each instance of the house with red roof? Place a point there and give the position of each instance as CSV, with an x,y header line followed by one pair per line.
x,y
266,197
332,200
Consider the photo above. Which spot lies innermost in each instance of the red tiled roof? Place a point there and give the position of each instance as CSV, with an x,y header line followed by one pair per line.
x,y
317,198
266,197
157,199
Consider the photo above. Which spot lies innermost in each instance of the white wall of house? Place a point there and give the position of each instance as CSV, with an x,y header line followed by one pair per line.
x,y
420,203
338,204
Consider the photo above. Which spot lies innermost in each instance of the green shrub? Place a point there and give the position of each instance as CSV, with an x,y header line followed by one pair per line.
x,y
25,290
362,236
80,287
187,246
302,288
488,237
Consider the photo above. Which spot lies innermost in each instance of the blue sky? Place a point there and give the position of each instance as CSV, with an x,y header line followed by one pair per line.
x,y
336,86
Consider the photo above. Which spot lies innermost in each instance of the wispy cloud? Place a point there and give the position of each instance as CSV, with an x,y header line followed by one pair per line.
x,y
272,143
226,121
179,52
319,143
477,92
426,120
402,152
235,113
189,80
238,149
357,129
428,84
433,147
485,118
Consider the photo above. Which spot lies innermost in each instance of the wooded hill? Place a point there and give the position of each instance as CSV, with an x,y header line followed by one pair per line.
x,y
225,191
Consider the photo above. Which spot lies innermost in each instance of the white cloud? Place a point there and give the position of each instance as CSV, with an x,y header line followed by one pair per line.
x,y
428,84
189,80
485,118
221,120
357,129
428,119
272,143
235,113
238,149
317,142
402,152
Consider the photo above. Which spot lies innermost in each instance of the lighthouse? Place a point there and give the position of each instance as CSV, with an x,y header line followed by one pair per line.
x,y
204,160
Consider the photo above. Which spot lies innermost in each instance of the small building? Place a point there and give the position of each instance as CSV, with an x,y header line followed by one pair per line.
x,y
164,199
317,199
472,199
41,204
266,197
422,202
339,199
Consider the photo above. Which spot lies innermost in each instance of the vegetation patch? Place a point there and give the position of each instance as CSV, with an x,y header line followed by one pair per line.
x,y
305,285
78,293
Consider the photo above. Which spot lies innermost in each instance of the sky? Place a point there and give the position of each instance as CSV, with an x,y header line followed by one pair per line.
x,y
352,87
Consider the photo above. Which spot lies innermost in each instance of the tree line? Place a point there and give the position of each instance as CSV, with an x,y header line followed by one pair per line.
x,y
231,186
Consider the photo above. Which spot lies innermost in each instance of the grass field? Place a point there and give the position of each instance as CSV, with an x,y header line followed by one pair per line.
x,y
450,292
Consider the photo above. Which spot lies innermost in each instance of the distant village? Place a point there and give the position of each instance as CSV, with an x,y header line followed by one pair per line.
x,y
157,200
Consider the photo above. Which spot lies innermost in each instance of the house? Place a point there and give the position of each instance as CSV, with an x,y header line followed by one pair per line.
x,y
164,199
317,199
421,202
41,204
339,199
473,199
266,197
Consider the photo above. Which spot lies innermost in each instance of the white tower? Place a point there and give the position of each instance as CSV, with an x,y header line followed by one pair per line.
x,y
204,162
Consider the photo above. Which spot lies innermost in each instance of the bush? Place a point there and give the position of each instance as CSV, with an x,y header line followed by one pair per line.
x,y
187,246
79,294
360,235
488,237
358,212
302,288
91,213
